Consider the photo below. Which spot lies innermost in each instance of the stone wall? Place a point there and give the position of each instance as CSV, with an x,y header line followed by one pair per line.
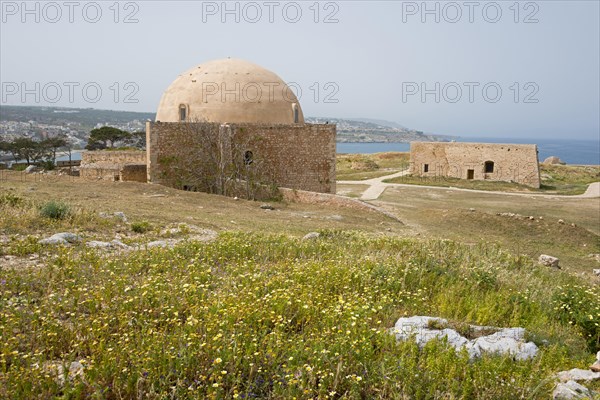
x,y
113,157
133,173
298,156
479,161
108,165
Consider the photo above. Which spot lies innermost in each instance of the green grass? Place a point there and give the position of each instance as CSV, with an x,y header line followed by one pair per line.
x,y
354,167
269,316
568,179
21,216
141,226
460,183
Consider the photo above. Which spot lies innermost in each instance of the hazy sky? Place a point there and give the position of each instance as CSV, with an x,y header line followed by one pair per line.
x,y
468,68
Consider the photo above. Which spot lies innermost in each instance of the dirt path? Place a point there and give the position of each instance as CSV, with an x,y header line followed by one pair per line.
x,y
377,187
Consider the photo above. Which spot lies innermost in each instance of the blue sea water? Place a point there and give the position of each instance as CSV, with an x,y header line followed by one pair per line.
x,y
584,152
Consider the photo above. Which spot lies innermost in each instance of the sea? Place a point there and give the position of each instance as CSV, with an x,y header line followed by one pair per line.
x,y
578,152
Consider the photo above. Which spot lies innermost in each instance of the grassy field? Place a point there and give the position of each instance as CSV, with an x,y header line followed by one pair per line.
x,y
473,217
357,167
556,179
260,313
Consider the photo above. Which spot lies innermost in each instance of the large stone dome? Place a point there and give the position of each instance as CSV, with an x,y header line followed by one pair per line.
x,y
229,90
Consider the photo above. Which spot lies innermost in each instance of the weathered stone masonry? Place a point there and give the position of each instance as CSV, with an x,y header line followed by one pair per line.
x,y
127,165
479,161
299,156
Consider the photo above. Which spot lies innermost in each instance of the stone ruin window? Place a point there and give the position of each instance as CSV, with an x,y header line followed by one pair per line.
x,y
470,173
489,167
248,157
426,168
295,111
182,112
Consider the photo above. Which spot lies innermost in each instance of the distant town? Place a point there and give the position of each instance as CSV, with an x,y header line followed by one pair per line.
x,y
39,123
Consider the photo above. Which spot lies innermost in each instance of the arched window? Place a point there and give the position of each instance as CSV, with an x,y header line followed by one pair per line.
x,y
248,157
182,112
489,167
295,111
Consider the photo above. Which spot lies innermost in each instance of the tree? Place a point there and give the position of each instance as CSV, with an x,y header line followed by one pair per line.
x,y
52,145
104,137
4,146
137,139
24,149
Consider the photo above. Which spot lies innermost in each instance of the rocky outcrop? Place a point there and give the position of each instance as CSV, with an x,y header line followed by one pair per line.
x,y
507,341
64,238
554,160
571,390
549,261
311,235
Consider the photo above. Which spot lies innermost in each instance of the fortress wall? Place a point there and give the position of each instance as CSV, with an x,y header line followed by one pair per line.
x,y
118,157
133,173
511,162
299,156
108,165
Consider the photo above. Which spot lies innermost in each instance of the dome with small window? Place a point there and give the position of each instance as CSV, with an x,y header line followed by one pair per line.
x,y
229,90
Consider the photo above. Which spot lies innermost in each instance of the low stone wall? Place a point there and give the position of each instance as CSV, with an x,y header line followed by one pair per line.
x,y
133,173
113,157
99,172
127,165
67,163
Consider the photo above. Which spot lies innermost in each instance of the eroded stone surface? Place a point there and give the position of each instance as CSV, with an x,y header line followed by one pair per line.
x,y
509,341
571,390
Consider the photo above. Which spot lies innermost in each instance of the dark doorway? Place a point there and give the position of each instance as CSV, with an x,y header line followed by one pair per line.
x,y
489,167
470,173
248,157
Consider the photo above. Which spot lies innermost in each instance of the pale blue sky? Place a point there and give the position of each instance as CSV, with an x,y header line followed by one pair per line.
x,y
375,53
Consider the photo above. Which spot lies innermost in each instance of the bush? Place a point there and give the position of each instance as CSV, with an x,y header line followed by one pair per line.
x,y
55,210
11,200
48,165
140,227
579,306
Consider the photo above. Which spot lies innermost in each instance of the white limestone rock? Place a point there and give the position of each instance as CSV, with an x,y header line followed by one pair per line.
x,y
58,371
577,374
64,238
549,261
311,235
571,390
508,341
120,215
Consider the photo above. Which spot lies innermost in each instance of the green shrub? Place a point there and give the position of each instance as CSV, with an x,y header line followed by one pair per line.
x,y
140,227
55,210
579,306
48,165
11,200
